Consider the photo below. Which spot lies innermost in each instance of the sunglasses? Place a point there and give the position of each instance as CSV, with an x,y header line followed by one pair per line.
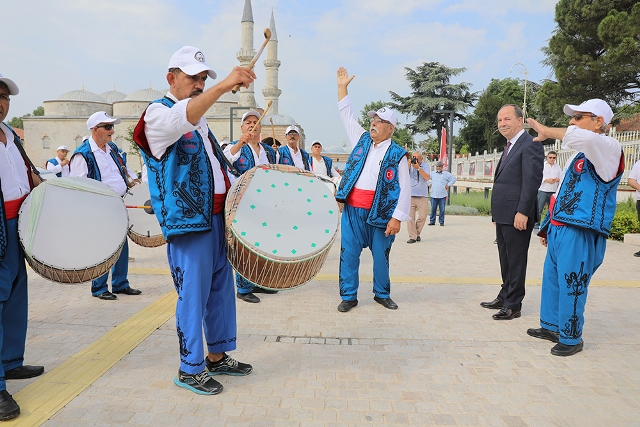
x,y
578,116
549,157
106,127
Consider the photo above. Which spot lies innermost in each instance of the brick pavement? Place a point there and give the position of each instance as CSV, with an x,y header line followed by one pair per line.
x,y
438,360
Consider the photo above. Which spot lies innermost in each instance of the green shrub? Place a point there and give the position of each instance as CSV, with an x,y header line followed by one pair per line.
x,y
474,200
624,222
460,210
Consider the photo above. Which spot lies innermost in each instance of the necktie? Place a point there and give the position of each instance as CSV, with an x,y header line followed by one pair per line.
x,y
506,153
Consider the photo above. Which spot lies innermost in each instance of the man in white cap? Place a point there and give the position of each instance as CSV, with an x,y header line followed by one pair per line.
x,y
99,158
580,214
245,153
59,165
291,154
16,182
322,165
188,185
376,190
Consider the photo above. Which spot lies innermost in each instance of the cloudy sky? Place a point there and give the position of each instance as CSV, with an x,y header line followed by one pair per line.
x,y
53,46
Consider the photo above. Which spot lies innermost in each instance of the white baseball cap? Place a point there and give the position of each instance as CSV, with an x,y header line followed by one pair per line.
x,y
250,113
191,61
292,128
316,142
13,88
385,114
593,106
62,147
100,117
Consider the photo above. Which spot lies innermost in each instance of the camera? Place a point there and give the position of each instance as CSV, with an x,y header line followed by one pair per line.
x,y
414,160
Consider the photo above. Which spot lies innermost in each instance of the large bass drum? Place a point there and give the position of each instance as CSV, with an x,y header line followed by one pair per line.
x,y
72,229
144,228
281,223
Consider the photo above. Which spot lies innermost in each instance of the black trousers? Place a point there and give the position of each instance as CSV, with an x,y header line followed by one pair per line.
x,y
513,250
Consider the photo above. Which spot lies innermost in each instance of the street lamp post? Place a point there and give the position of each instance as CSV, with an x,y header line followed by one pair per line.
x,y
449,143
526,77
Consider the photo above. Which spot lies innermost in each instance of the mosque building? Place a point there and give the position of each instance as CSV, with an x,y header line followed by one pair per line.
x,y
64,120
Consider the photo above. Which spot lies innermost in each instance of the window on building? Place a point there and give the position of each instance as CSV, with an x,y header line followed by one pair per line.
x,y
46,141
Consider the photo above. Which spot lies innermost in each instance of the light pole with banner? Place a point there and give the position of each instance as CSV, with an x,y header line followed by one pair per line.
x,y
524,71
449,143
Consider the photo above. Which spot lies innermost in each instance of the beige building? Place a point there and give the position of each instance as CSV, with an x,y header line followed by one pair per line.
x,y
64,120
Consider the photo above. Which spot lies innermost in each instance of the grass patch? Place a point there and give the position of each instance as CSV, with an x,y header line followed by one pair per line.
x,y
465,203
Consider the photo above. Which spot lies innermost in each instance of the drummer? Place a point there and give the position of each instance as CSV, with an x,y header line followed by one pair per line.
x,y
188,199
322,165
16,182
245,153
291,154
98,158
59,164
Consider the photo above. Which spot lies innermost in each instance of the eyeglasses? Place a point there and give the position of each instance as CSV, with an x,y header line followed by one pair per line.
x,y
106,127
578,116
379,120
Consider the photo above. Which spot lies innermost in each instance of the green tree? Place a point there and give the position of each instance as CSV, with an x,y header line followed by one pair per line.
x,y
429,146
431,89
134,148
16,122
39,111
401,134
594,53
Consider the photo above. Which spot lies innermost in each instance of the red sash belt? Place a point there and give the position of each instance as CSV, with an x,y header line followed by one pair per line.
x,y
218,203
361,198
11,208
552,203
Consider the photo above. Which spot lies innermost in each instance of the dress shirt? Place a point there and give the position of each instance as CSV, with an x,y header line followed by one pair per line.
x,y
550,172
13,171
635,174
260,159
109,171
419,185
438,182
319,167
164,126
601,150
297,157
514,140
58,168
368,179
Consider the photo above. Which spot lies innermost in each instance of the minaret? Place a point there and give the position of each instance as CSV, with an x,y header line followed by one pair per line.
x,y
246,53
271,91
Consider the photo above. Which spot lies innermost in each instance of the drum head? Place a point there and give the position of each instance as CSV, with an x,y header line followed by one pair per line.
x,y
145,225
285,214
74,229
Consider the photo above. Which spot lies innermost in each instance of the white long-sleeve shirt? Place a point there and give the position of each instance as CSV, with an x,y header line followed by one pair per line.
x,y
14,174
368,179
164,126
109,171
550,171
58,168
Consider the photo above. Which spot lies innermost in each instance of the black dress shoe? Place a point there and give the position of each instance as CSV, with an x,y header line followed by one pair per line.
x,y
418,239
442,224
637,254
129,291
386,303
250,297
432,223
347,305
567,350
22,372
495,304
411,241
8,407
259,290
506,314
543,334
107,296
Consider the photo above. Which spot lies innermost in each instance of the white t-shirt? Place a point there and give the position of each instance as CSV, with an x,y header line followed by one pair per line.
x,y
635,174
550,171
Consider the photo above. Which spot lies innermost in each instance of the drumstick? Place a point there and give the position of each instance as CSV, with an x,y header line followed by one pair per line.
x,y
273,132
262,116
137,207
267,37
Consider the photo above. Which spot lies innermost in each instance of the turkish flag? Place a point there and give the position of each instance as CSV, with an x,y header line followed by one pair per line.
x,y
444,158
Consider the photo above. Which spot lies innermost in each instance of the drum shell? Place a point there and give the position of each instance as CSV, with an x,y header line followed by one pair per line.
x,y
139,195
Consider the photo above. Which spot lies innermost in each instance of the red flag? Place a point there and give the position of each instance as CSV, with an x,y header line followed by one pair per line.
x,y
444,158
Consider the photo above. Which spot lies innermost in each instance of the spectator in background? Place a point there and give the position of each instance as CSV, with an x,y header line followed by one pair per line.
x,y
419,174
634,182
59,164
550,179
440,183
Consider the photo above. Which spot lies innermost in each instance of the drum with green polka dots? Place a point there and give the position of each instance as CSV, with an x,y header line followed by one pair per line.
x,y
281,224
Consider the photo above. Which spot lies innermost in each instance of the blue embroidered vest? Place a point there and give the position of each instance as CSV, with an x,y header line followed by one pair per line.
x,y
246,160
287,159
328,162
92,165
388,186
584,199
181,182
3,217
54,162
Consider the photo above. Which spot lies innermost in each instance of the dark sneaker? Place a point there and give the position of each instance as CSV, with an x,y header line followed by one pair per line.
x,y
228,366
411,241
201,383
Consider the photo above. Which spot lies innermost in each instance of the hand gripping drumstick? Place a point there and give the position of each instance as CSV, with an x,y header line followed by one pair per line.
x,y
262,116
267,37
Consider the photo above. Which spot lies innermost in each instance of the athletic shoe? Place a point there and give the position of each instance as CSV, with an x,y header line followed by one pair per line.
x,y
228,366
201,383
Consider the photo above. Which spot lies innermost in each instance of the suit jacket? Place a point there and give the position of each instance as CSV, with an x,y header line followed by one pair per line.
x,y
516,183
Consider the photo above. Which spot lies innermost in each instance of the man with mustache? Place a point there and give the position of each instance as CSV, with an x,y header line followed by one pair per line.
x,y
376,190
290,154
188,185
513,201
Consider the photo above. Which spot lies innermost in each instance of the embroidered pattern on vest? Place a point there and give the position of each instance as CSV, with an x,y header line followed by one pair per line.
x,y
189,198
577,284
246,160
287,159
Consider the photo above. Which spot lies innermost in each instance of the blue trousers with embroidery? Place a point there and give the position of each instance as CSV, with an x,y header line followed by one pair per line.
x,y
573,255
203,279
13,303
119,273
357,235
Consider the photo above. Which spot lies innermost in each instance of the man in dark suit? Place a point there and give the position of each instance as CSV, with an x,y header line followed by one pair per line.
x,y
515,188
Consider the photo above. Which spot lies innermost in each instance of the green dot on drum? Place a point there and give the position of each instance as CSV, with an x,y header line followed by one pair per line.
x,y
313,245
309,200
273,186
309,213
293,251
258,191
295,227
278,235
244,233
264,224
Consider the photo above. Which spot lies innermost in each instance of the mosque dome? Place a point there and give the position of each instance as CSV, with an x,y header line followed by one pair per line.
x,y
144,95
113,96
81,96
280,120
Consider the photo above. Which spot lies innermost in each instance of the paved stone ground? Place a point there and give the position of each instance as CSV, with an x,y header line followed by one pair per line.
x,y
438,360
